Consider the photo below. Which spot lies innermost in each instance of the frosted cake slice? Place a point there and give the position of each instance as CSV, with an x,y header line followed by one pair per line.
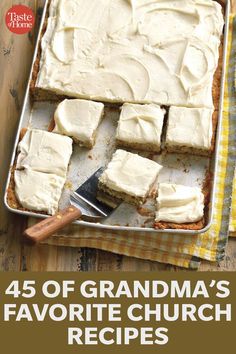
x,y
129,177
79,119
46,152
190,130
38,191
179,206
140,127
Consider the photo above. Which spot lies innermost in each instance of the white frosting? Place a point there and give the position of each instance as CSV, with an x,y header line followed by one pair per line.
x,y
45,152
38,191
78,119
190,127
141,124
130,173
179,204
139,51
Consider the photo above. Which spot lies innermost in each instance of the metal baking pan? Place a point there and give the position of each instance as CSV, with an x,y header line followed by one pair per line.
x,y
184,169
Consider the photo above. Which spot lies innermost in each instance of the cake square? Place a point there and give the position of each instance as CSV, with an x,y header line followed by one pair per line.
x,y
38,191
123,51
46,152
140,127
79,119
190,130
178,204
129,177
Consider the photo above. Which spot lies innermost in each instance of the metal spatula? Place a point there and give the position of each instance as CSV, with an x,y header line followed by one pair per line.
x,y
84,204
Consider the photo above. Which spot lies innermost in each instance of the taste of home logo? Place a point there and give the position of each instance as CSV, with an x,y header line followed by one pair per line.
x,y
20,19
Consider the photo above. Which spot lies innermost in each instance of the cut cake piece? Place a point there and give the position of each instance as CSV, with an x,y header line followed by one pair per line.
x,y
179,207
46,152
129,177
190,130
38,191
79,119
41,169
140,127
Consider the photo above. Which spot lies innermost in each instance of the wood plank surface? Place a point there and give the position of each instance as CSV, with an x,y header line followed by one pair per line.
x,y
15,61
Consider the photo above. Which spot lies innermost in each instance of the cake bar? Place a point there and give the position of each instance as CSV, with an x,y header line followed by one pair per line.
x,y
41,170
38,191
129,177
179,207
190,130
79,119
140,127
43,151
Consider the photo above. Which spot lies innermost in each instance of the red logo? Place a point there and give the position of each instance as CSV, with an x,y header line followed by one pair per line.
x,y
20,19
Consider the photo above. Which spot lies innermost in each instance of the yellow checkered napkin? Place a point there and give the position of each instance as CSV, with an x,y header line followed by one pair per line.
x,y
180,250
232,227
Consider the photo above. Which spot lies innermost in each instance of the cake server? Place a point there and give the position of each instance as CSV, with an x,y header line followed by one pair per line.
x,y
85,203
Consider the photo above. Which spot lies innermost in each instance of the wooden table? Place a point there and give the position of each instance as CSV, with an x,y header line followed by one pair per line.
x,y
15,60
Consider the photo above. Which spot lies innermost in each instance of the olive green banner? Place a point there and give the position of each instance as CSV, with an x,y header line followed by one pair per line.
x,y
117,312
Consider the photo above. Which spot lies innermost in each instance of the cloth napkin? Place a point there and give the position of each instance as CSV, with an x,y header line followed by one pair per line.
x,y
180,250
232,227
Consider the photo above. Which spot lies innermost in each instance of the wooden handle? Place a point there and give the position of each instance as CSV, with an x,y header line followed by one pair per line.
x,y
49,226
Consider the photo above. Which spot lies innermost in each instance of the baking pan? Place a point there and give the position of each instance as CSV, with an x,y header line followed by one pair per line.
x,y
184,169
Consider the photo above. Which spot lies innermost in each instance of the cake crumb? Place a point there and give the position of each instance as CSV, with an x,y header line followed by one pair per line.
x,y
145,211
69,185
